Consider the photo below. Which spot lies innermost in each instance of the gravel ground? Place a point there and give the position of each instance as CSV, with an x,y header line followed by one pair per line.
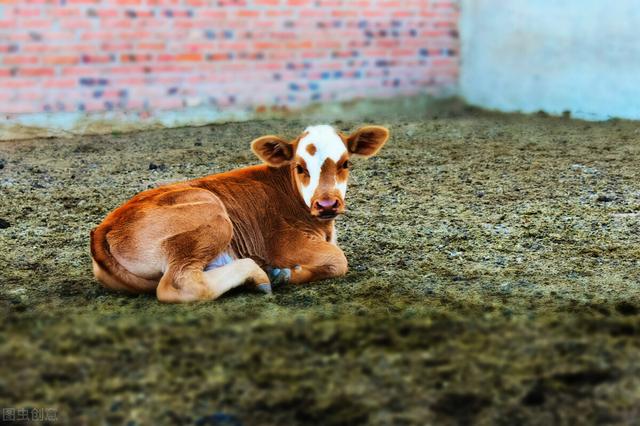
x,y
494,280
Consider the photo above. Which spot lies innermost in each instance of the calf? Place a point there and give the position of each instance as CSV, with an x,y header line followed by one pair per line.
x,y
259,225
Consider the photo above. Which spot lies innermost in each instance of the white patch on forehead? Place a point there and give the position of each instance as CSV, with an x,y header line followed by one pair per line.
x,y
326,140
328,145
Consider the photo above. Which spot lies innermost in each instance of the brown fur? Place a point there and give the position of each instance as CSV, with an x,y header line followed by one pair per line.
x,y
311,149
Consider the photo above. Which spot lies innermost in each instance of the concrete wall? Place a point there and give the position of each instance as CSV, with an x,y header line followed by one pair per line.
x,y
84,66
581,56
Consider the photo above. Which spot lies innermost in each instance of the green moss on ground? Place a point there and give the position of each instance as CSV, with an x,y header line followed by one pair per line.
x,y
494,279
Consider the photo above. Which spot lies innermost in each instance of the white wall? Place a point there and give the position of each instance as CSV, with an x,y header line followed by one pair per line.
x,y
553,55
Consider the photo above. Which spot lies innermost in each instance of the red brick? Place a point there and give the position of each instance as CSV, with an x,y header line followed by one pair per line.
x,y
212,14
116,47
344,13
127,57
27,12
108,13
188,57
34,48
162,2
285,55
303,44
144,15
390,4
132,81
313,13
60,60
248,13
64,12
76,24
97,59
188,24
263,45
199,47
216,57
328,44
78,71
329,3
403,14
275,13
377,13
315,54
67,83
126,69
20,60
17,83
151,46
36,72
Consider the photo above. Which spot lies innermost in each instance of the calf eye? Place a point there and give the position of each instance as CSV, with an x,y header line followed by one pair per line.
x,y
300,169
346,164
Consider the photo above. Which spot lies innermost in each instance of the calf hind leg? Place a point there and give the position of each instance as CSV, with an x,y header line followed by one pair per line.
x,y
238,272
185,279
191,283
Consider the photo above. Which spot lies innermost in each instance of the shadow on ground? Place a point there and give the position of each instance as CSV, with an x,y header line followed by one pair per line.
x,y
495,274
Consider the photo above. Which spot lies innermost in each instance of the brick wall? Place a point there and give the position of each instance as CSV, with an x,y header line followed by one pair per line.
x,y
253,55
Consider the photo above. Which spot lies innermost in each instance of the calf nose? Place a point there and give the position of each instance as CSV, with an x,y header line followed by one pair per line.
x,y
331,204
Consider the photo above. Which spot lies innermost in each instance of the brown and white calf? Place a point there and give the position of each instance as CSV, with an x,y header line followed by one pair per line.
x,y
258,225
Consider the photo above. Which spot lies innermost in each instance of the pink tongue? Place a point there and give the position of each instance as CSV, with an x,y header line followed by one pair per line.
x,y
326,204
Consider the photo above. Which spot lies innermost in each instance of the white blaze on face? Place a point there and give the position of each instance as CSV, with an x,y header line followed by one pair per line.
x,y
328,144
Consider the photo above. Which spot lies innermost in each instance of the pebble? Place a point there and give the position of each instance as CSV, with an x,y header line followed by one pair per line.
x,y
4,224
220,419
605,198
154,166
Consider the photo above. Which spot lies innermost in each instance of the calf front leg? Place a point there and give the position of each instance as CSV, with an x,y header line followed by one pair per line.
x,y
318,262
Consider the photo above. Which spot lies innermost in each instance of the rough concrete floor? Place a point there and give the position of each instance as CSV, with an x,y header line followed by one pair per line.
x,y
495,277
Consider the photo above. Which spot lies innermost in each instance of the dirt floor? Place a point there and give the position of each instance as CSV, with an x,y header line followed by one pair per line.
x,y
495,279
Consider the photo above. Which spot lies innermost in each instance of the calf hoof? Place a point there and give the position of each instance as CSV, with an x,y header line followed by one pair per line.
x,y
279,275
264,288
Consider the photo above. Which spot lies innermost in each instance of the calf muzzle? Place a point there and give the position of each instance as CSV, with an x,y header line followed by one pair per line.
x,y
327,208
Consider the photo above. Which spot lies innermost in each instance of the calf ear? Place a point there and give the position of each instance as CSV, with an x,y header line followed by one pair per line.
x,y
367,141
273,150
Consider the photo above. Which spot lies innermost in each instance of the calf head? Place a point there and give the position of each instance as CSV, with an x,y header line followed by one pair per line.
x,y
319,162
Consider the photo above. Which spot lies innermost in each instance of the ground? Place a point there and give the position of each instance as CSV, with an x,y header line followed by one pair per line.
x,y
494,279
